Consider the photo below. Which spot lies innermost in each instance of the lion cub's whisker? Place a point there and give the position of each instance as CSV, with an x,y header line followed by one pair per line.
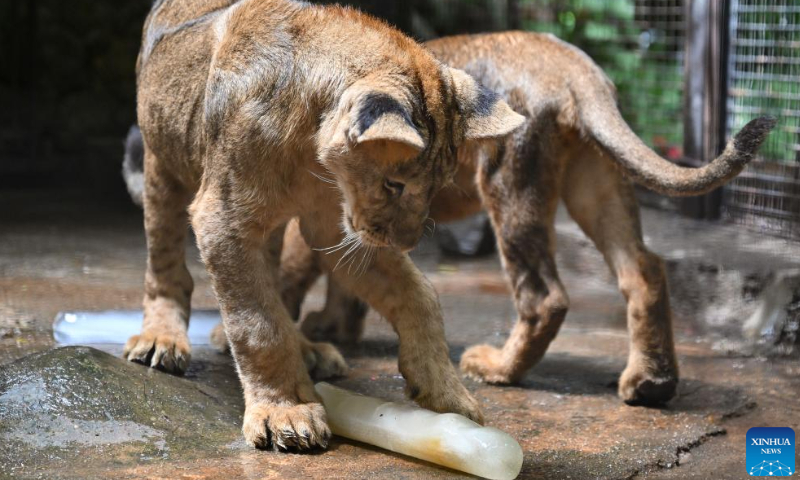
x,y
347,240
324,179
352,260
356,244
433,229
367,260
335,248
365,251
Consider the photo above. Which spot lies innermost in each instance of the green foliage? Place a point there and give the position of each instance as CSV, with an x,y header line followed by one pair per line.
x,y
766,74
649,77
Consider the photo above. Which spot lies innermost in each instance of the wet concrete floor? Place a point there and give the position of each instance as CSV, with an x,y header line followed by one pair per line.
x,y
66,254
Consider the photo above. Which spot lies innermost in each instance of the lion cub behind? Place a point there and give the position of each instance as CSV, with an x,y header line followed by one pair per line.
x,y
574,147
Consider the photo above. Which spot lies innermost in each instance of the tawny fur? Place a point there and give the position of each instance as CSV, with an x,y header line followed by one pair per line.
x,y
574,146
254,112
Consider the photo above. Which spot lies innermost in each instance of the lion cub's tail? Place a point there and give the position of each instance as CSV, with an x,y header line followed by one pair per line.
x,y
601,120
133,164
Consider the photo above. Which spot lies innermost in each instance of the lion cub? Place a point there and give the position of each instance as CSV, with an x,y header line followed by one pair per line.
x,y
576,148
257,111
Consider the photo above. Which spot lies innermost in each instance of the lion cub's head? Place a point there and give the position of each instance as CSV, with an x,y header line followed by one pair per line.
x,y
391,145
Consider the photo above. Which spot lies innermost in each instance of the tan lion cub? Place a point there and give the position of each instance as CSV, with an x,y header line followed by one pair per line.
x,y
574,147
258,111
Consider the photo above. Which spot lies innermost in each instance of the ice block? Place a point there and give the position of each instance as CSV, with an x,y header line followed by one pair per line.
x,y
446,439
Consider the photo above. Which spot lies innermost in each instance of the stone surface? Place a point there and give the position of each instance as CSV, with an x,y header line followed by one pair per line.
x,y
73,407
72,255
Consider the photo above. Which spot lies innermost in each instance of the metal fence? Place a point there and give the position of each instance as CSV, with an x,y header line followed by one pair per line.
x,y
765,79
640,45
689,74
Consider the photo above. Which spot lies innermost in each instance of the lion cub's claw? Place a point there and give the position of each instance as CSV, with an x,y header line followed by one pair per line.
x,y
163,351
469,407
451,398
299,427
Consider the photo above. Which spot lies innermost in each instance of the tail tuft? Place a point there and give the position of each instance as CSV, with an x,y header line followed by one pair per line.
x,y
133,164
752,135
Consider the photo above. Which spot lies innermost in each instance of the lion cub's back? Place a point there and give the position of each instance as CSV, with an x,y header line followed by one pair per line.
x,y
172,71
540,66
175,12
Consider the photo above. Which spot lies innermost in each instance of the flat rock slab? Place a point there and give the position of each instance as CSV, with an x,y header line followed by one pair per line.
x,y
77,412
69,408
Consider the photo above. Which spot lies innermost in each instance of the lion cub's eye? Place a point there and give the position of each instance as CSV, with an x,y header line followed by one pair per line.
x,y
395,189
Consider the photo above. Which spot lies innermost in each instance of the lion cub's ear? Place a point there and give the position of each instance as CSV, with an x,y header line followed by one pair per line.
x,y
487,115
383,127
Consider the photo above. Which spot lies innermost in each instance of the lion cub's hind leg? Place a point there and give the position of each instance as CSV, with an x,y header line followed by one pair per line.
x,y
163,342
322,360
340,321
299,269
603,203
521,195
342,318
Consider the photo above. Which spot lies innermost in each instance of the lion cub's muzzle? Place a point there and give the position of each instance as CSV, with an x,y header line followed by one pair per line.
x,y
405,237
402,235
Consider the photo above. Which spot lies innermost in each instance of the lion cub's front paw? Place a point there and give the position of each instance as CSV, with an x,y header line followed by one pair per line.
x,y
484,363
162,350
452,397
286,428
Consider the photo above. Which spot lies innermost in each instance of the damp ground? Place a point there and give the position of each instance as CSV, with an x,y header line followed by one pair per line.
x,y
84,413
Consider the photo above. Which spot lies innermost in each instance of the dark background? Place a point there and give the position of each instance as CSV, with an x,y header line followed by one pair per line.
x,y
67,91
67,86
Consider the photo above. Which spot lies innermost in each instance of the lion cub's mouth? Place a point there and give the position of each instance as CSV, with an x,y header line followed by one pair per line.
x,y
369,236
372,240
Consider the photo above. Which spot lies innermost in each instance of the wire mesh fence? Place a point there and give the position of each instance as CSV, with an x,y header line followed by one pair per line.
x,y
765,79
640,45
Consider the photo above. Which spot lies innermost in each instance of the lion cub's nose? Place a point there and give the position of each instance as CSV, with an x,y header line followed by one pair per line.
x,y
405,238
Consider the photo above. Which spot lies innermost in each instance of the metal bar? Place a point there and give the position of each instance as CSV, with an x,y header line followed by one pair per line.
x,y
760,27
765,192
513,14
694,101
766,211
706,87
764,110
761,76
762,59
767,178
773,9
766,43
743,92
